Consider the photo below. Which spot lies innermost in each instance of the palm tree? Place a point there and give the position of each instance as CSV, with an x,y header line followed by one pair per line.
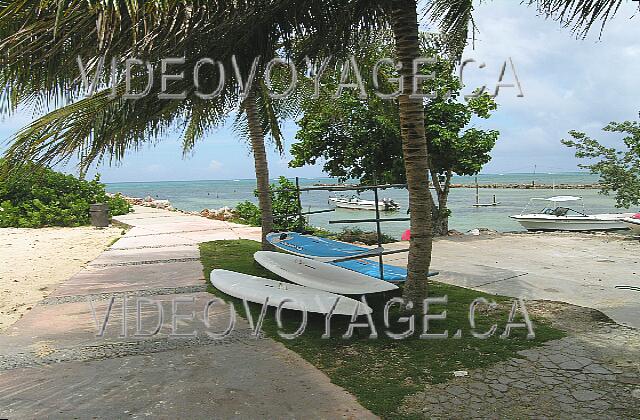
x,y
404,24
455,19
261,166
105,125
40,41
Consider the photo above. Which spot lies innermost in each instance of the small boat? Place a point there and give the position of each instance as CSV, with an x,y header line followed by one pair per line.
x,y
633,223
355,203
558,217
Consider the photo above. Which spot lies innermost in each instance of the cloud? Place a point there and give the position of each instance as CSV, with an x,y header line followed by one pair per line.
x,y
215,166
568,83
153,168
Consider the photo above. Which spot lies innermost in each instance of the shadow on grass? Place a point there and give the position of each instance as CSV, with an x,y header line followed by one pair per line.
x,y
382,372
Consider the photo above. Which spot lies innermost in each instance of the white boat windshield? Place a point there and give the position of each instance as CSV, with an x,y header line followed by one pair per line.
x,y
557,211
562,211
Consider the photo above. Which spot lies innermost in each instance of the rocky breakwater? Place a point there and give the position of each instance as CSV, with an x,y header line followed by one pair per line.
x,y
148,201
223,213
531,186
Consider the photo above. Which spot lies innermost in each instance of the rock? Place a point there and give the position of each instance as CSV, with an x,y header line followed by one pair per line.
x,y
473,232
160,204
217,214
453,232
585,395
487,231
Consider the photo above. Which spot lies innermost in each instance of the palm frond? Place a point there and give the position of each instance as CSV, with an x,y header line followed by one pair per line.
x,y
580,15
454,18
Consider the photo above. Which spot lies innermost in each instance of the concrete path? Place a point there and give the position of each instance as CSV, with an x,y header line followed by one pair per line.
x,y
581,269
158,354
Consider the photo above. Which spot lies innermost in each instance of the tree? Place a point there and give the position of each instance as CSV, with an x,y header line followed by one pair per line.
x,y
454,149
619,170
454,17
43,40
404,24
360,139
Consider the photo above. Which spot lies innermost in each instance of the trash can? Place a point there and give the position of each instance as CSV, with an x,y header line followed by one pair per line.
x,y
99,213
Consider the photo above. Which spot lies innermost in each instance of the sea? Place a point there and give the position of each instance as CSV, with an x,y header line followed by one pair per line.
x,y
213,194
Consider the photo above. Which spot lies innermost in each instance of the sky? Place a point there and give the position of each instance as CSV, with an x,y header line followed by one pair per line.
x,y
567,84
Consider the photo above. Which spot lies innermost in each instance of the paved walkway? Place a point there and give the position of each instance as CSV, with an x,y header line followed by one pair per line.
x,y
52,364
580,269
593,373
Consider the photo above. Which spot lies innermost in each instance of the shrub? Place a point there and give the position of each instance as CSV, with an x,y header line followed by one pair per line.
x,y
359,235
283,202
247,213
34,196
118,205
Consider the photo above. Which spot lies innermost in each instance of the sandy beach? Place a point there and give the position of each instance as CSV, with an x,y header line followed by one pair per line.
x,y
34,261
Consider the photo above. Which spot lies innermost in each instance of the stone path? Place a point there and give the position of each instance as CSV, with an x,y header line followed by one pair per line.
x,y
52,364
580,269
594,373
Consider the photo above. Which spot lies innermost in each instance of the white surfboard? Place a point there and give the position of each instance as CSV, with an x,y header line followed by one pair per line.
x,y
257,289
319,275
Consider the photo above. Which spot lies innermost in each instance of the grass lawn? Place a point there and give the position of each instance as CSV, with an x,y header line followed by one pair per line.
x,y
382,372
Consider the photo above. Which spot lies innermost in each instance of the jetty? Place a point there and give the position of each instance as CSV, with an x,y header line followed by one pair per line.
x,y
514,186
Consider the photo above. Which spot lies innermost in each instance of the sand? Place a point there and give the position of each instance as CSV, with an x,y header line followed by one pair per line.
x,y
34,261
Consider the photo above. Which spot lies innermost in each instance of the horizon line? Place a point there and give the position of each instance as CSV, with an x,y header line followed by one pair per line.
x,y
332,178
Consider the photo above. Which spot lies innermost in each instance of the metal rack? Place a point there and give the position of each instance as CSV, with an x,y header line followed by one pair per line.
x,y
377,220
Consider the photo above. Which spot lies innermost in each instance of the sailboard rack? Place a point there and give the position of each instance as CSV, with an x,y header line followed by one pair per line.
x,y
377,220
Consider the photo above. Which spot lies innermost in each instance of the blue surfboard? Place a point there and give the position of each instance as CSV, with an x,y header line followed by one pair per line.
x,y
313,246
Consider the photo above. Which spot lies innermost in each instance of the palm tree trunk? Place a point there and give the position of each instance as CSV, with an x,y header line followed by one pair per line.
x,y
440,213
404,22
262,168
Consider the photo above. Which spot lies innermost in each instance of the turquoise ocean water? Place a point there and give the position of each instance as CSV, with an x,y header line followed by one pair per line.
x,y
197,195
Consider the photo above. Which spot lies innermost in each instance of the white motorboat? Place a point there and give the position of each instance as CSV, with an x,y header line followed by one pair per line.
x,y
355,203
633,223
558,217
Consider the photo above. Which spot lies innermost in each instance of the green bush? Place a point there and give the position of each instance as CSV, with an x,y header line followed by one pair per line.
x,y
34,196
358,235
247,213
118,205
283,202
353,235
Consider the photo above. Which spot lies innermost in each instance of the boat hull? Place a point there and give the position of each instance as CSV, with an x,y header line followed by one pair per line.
x,y
576,224
356,206
363,205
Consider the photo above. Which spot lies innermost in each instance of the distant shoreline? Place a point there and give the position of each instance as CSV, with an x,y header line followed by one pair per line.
x,y
512,186
585,178
532,186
